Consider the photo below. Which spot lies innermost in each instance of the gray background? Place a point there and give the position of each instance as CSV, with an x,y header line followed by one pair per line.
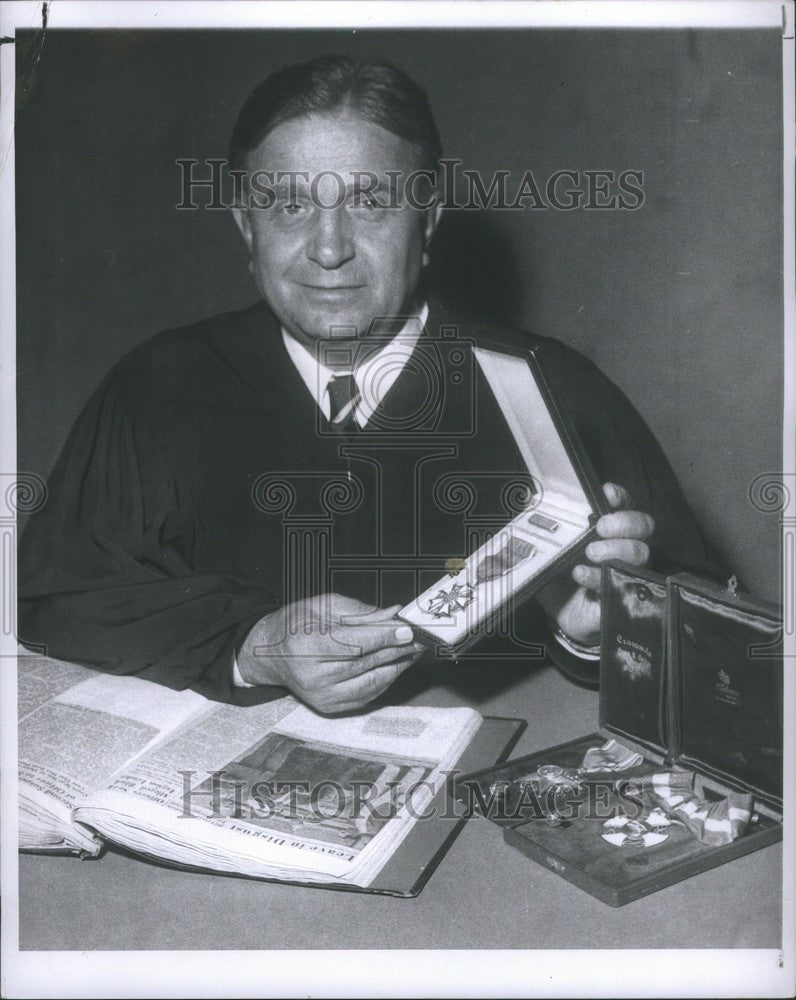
x,y
680,302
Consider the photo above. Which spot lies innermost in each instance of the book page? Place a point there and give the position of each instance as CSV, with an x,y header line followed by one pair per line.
x,y
39,679
198,751
73,742
416,733
278,791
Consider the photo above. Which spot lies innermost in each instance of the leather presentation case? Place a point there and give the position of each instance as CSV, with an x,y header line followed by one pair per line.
x,y
691,677
554,523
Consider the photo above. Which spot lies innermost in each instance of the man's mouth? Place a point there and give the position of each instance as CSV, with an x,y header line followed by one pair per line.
x,y
330,288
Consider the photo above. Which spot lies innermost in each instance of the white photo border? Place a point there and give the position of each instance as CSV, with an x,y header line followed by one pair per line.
x,y
472,973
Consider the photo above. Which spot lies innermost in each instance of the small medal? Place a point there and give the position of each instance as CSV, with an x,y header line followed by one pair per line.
x,y
543,521
612,756
513,551
550,774
624,832
499,789
447,603
658,821
454,566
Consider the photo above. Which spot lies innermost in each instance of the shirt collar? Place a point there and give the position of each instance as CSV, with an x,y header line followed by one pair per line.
x,y
374,376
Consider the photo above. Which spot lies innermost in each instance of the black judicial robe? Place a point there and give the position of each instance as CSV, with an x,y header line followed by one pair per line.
x,y
201,487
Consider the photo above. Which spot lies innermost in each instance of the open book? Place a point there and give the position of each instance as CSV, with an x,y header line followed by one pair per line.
x,y
269,791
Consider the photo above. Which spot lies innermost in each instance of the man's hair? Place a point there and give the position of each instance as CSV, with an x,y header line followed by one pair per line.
x,y
377,91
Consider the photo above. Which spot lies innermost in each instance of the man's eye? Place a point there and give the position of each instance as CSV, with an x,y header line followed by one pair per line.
x,y
292,207
368,203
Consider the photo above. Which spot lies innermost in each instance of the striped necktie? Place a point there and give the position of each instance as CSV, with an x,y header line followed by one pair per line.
x,y
343,396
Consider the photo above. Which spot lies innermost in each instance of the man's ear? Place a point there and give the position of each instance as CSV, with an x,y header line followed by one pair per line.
x,y
433,215
244,224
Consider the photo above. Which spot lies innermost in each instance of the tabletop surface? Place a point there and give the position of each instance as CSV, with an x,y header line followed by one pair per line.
x,y
484,894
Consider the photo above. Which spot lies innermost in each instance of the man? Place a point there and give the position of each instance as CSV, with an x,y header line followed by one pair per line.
x,y
168,546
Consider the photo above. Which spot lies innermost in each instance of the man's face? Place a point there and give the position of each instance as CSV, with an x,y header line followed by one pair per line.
x,y
326,267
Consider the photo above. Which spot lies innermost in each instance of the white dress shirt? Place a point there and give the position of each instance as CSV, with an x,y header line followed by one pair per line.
x,y
374,377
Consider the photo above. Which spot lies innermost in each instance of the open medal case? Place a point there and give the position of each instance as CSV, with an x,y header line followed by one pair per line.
x,y
545,538
691,684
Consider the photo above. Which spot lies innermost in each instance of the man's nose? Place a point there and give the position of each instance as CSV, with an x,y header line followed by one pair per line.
x,y
331,244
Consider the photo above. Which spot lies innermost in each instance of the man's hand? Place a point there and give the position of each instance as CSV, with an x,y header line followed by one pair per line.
x,y
334,653
623,534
